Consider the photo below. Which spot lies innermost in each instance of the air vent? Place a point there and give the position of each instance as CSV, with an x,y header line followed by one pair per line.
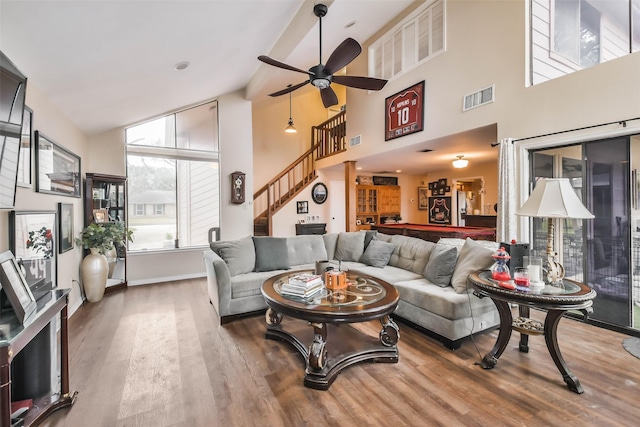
x,y
426,150
481,97
354,141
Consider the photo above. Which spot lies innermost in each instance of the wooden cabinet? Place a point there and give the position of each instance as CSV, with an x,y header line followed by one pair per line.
x,y
375,202
104,202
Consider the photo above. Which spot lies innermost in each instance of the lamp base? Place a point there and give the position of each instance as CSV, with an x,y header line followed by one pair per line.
x,y
555,270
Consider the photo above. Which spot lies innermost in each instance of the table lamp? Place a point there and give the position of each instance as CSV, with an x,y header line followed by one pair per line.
x,y
554,198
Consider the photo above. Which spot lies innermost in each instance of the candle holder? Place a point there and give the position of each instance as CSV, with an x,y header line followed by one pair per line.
x,y
534,266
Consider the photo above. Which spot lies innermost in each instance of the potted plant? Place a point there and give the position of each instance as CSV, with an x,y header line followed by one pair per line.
x,y
100,239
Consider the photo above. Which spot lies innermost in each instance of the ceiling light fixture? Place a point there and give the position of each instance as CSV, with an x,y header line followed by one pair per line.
x,y
290,128
181,65
460,162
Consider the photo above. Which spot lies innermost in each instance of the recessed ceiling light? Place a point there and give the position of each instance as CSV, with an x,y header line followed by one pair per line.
x,y
350,24
359,168
398,170
181,65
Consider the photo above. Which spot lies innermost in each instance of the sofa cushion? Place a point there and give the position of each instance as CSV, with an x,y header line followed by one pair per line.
x,y
441,264
445,302
473,257
369,235
271,253
411,253
306,249
330,242
389,273
378,253
350,246
250,284
239,255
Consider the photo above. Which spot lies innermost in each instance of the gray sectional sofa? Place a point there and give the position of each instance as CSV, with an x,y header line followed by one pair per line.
x,y
431,278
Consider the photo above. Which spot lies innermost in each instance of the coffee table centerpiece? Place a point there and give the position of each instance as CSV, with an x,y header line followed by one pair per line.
x,y
364,298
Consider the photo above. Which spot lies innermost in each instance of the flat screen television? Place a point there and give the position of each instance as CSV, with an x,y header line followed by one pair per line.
x,y
13,86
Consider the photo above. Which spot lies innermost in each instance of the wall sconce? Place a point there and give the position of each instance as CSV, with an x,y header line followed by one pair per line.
x,y
290,128
460,162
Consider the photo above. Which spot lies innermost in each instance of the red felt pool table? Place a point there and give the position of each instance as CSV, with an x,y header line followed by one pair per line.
x,y
433,233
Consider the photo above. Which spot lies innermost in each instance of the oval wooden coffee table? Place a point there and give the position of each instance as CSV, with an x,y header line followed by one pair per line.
x,y
366,298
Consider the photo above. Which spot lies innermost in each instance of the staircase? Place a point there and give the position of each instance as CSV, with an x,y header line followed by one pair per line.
x,y
328,139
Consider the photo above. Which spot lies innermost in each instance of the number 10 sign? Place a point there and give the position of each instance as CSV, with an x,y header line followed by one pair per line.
x,y
404,112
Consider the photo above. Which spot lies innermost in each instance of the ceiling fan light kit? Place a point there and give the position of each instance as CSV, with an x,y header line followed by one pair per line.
x,y
290,128
321,76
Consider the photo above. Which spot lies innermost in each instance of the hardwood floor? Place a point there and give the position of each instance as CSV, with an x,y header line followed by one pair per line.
x,y
155,355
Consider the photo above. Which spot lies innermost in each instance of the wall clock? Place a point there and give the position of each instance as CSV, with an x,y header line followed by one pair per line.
x,y
237,187
319,193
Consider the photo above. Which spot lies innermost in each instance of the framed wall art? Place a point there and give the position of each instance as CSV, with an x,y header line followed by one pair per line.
x,y
57,169
237,187
65,225
440,210
16,287
303,207
404,112
33,239
24,159
423,198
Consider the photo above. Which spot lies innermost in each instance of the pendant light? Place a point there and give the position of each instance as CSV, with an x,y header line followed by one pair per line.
x,y
290,128
460,162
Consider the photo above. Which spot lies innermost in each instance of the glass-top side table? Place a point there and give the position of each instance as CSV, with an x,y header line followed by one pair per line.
x,y
557,300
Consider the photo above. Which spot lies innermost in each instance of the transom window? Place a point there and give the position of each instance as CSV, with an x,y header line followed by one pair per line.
x,y
418,38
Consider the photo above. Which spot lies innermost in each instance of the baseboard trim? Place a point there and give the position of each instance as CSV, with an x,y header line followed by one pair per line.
x,y
165,279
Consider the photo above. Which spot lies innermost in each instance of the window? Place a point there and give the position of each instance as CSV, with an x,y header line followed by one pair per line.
x,y
569,35
413,41
173,179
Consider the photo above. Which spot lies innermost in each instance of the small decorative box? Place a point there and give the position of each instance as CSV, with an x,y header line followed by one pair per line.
x,y
335,280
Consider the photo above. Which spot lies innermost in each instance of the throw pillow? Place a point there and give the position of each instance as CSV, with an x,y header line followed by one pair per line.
x,y
473,257
350,246
271,253
239,255
441,265
377,253
369,235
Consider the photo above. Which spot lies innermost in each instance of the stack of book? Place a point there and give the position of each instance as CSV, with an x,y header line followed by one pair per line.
x,y
302,285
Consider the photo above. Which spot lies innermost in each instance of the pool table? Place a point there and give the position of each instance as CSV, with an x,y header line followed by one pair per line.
x,y
433,233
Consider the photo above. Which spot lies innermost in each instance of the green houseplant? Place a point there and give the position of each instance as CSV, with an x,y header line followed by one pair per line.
x,y
100,239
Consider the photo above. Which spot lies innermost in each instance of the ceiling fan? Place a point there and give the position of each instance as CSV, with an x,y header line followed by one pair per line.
x,y
321,76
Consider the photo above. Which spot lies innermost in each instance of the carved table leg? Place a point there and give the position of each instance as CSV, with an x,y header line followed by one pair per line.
x,y
523,311
491,359
390,333
317,359
550,329
272,317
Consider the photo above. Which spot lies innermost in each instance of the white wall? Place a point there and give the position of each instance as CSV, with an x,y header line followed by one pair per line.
x,y
51,122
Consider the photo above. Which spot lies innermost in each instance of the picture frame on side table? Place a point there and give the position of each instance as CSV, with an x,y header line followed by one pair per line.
x,y
16,287
58,170
100,216
65,225
24,158
33,237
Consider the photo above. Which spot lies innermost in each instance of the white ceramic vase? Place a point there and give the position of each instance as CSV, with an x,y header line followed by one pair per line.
x,y
94,269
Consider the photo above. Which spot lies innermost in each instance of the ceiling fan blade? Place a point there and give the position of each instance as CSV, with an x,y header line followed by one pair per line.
x,y
368,83
289,89
346,52
279,64
329,97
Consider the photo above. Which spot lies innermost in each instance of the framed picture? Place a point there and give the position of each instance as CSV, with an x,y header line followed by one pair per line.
x,y
57,169
65,225
303,207
434,192
237,187
24,158
32,239
16,287
319,193
100,216
442,182
404,112
447,189
423,198
441,191
440,210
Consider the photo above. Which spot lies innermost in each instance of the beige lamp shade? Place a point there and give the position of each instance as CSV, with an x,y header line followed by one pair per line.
x,y
554,198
